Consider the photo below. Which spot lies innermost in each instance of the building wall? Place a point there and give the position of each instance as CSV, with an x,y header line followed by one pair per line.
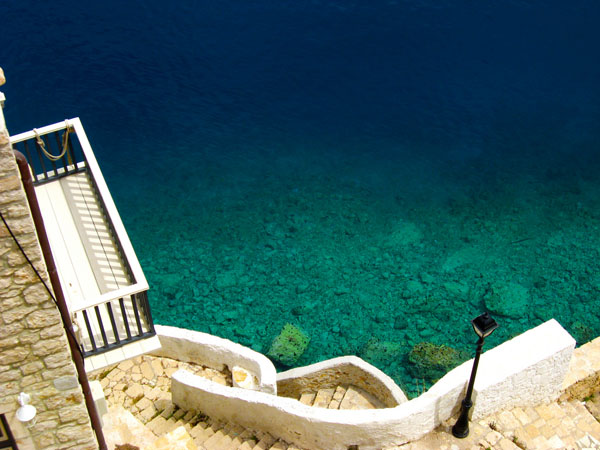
x,y
34,352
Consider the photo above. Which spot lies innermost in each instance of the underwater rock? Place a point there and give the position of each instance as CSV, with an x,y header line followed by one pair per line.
x,y
456,289
225,280
171,284
466,256
404,233
381,352
289,345
431,362
581,332
400,322
510,300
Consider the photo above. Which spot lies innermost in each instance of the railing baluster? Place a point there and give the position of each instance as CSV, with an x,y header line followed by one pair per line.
x,y
89,330
113,322
137,314
71,159
125,317
45,169
49,150
146,308
40,156
72,148
101,325
29,158
60,147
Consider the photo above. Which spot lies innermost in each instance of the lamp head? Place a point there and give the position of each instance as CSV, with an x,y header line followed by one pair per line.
x,y
484,325
26,413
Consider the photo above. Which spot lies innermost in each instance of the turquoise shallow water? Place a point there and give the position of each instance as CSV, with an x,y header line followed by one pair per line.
x,y
375,174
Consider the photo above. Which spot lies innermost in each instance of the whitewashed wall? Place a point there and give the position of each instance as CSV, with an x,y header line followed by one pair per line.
x,y
527,370
215,352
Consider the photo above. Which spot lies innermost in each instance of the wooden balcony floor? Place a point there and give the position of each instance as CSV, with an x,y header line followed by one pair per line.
x,y
88,261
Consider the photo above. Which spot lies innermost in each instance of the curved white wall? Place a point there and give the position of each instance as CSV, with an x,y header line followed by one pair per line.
x,y
215,352
527,370
343,370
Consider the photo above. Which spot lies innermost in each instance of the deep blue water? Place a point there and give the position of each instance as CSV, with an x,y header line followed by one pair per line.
x,y
280,144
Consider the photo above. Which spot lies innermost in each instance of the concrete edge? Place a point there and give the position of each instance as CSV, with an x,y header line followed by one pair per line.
x,y
215,352
306,426
505,380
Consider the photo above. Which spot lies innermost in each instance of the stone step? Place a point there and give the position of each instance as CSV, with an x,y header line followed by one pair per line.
x,y
323,398
231,441
338,396
342,397
158,425
202,431
214,435
240,436
189,416
247,445
179,413
169,410
308,398
209,434
356,398
215,441
265,443
173,424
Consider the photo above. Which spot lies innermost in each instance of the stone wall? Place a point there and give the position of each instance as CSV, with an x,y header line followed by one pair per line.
x,y
34,352
583,378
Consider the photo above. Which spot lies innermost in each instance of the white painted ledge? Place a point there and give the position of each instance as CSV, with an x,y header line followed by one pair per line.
x,y
525,371
215,352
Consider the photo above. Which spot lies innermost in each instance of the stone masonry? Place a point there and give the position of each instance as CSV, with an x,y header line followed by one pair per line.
x,y
34,354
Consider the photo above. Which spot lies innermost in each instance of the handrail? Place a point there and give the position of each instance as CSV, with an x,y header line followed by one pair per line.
x,y
107,200
109,204
113,324
109,296
41,131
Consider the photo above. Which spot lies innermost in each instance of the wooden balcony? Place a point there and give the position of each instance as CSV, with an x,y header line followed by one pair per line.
x,y
100,276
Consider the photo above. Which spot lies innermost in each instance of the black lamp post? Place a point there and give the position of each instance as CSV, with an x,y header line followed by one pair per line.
x,y
483,325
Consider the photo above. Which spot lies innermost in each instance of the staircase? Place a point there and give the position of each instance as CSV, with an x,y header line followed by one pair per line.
x,y
209,434
341,397
141,386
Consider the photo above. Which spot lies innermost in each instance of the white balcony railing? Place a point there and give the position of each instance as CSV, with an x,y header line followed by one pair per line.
x,y
101,278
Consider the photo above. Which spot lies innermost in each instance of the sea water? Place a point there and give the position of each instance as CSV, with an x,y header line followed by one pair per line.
x,y
375,173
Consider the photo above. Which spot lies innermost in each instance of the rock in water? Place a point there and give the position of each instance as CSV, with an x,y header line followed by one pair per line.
x,y
431,362
509,299
289,345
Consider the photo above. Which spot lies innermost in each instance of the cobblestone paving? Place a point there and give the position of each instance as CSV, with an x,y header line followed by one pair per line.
x,y
568,425
142,386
